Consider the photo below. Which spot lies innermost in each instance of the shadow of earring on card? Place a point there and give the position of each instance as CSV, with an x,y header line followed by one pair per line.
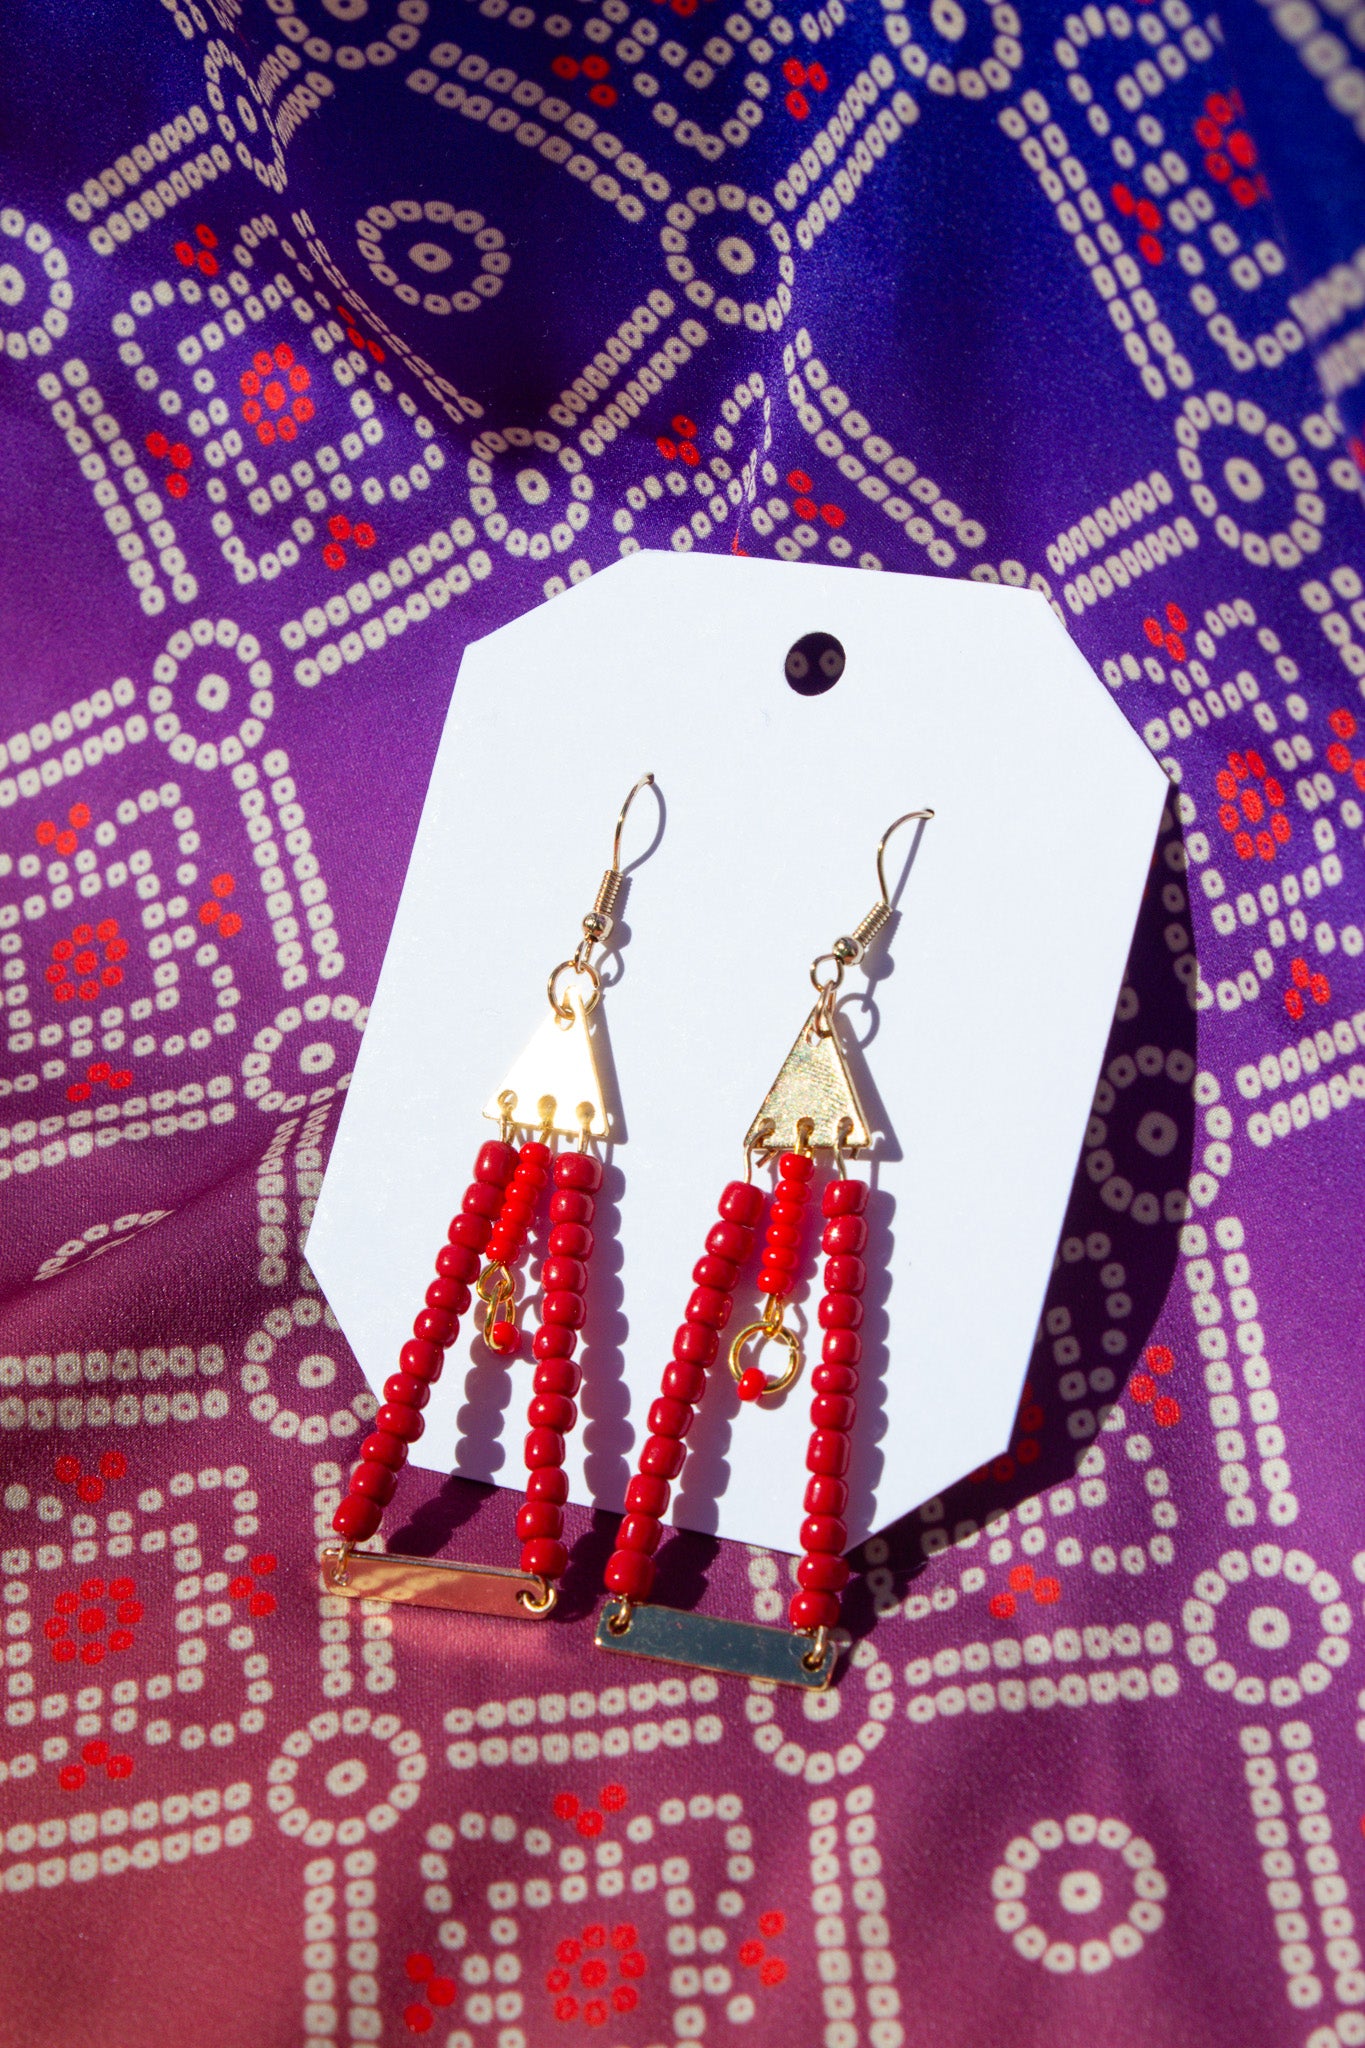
x,y
1119,1246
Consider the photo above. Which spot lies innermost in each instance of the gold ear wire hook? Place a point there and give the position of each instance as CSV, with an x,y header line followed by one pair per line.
x,y
904,819
849,950
599,922
620,822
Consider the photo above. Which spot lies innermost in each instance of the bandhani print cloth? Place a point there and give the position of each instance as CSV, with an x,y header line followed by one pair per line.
x,y
337,333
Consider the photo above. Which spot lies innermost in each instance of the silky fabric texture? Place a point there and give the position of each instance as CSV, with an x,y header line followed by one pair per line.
x,y
336,334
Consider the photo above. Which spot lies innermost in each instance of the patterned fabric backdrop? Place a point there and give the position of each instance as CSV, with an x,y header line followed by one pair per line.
x,y
337,333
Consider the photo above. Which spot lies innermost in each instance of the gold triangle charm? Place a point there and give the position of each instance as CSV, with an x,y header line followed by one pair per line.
x,y
555,1082
814,1085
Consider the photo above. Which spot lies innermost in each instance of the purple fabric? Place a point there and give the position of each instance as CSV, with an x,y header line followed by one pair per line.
x,y
1091,1772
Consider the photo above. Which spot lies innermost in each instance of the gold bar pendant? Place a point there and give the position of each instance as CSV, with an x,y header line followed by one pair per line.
x,y
431,1582
708,1642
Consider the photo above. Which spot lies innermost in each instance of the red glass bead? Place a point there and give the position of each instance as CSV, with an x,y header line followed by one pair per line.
x,y
844,1198
663,1456
639,1532
647,1494
552,1411
482,1199
683,1382
451,1295
515,1215
730,1241
668,1417
357,1518
555,1340
406,1390
824,1533
569,1205
709,1306
834,1379
695,1344
531,1176
436,1326
842,1347
828,1453
376,1482
543,1447
822,1574
422,1360
504,1248
396,1421
814,1610
543,1558
548,1482
496,1163
741,1202
776,1280
846,1234
840,1312
796,1166
787,1214
710,1271
564,1306
753,1382
833,1411
825,1495
782,1234
473,1231
533,1153
845,1274
557,1376
458,1262
564,1273
502,1336
570,1241
578,1170
539,1518
629,1572
383,1449
781,1258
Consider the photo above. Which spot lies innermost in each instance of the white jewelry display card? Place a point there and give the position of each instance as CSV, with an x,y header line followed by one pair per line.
x,y
982,1015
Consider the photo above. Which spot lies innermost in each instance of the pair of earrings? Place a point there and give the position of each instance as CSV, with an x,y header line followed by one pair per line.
x,y
554,1091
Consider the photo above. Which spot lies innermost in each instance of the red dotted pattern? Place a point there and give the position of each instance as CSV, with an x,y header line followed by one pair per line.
x,y
1158,1359
805,507
226,923
1147,216
800,78
684,448
340,528
266,388
1168,636
198,254
87,962
1252,807
180,456
90,1485
1230,155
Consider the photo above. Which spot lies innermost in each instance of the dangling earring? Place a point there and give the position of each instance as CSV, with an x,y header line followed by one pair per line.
x,y
553,1090
812,1107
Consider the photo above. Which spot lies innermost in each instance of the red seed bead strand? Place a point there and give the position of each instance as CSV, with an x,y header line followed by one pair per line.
x,y
577,1176
781,1249
630,1568
399,1422
822,1573
512,1220
782,1243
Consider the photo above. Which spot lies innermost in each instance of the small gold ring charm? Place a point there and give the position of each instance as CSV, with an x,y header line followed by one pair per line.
x,y
549,1594
751,1380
